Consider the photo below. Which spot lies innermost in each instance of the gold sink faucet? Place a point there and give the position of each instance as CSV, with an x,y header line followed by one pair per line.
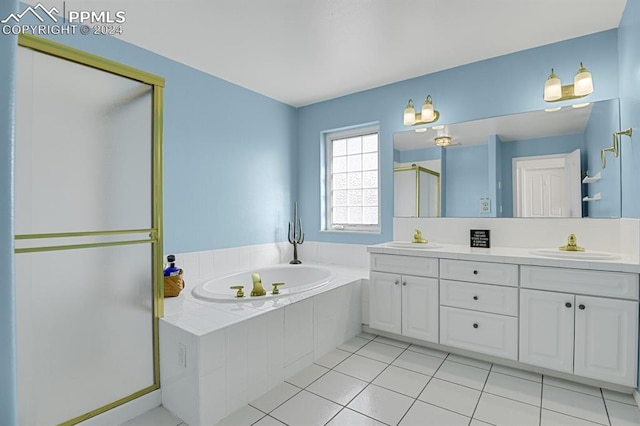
x,y
258,289
572,244
418,238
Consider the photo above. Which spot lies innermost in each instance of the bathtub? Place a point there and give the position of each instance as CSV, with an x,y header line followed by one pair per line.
x,y
296,279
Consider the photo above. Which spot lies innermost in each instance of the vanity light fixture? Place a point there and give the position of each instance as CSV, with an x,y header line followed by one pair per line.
x,y
427,115
582,86
442,141
581,105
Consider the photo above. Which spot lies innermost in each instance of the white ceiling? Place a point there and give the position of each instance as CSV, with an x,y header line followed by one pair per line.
x,y
305,51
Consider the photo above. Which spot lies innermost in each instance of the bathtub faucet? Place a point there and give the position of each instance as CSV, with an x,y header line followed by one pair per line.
x,y
258,290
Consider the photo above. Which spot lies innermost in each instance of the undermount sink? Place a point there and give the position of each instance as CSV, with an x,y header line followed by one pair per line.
x,y
585,255
407,244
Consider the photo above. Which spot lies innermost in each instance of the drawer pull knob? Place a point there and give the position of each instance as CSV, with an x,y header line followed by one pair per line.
x,y
396,282
404,283
475,325
568,304
581,307
475,272
475,297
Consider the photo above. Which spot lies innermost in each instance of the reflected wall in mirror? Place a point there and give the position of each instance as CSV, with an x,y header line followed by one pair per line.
x,y
534,164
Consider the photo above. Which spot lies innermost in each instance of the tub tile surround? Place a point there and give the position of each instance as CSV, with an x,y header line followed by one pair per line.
x,y
216,357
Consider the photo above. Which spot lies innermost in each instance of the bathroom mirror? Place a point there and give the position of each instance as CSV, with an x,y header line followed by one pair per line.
x,y
534,164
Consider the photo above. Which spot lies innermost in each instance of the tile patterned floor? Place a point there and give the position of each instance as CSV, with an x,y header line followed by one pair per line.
x,y
378,381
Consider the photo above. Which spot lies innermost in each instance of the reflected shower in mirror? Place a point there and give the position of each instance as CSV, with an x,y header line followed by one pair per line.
x,y
534,164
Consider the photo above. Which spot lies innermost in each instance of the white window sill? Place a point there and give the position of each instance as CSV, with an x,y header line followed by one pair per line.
x,y
351,231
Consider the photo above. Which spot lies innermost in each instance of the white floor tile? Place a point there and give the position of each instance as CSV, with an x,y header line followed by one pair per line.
x,y
349,417
428,351
403,381
551,418
418,362
353,345
501,411
523,374
361,368
622,414
422,413
337,387
392,342
462,374
469,361
453,397
381,404
475,422
514,388
306,408
368,336
307,376
574,386
625,398
333,358
575,404
159,416
268,421
275,397
246,416
380,351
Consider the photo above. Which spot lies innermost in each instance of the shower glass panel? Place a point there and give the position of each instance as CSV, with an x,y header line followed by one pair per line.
x,y
85,330
84,148
88,232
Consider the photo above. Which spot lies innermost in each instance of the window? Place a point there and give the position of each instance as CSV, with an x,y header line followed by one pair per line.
x,y
352,186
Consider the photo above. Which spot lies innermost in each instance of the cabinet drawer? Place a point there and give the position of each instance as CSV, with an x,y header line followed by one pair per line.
x,y
409,265
478,331
479,272
480,297
597,283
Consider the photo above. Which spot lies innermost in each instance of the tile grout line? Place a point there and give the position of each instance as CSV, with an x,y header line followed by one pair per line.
x,y
606,409
481,392
541,398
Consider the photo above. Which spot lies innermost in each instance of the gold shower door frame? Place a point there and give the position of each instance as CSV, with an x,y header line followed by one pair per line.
x,y
154,233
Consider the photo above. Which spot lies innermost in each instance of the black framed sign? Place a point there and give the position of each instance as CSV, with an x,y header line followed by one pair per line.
x,y
480,238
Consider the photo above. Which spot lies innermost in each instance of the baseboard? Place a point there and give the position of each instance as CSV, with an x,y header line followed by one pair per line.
x,y
636,396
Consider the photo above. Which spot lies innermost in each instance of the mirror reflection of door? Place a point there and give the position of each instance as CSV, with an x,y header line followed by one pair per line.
x,y
547,186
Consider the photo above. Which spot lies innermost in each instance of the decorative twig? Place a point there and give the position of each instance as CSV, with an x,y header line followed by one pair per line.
x,y
295,235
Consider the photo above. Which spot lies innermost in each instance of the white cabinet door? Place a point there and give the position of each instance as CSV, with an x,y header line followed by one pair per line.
x,y
420,308
385,302
606,339
546,329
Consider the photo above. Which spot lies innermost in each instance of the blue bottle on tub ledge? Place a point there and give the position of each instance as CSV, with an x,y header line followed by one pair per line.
x,y
171,270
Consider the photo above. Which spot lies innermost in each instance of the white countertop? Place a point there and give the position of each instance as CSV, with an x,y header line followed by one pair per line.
x,y
521,256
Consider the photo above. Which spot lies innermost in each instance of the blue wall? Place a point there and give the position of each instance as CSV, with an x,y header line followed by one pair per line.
x,y
629,63
229,154
8,414
415,155
603,121
467,171
505,85
530,147
629,57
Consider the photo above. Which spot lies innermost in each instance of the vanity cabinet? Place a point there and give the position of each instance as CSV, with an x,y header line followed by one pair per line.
x,y
480,313
594,335
401,303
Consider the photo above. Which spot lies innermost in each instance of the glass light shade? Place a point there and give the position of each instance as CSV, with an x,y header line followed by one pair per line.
x,y
442,141
582,82
409,114
552,88
427,111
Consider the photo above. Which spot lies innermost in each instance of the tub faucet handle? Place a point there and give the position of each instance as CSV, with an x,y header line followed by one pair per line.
x,y
240,292
275,286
